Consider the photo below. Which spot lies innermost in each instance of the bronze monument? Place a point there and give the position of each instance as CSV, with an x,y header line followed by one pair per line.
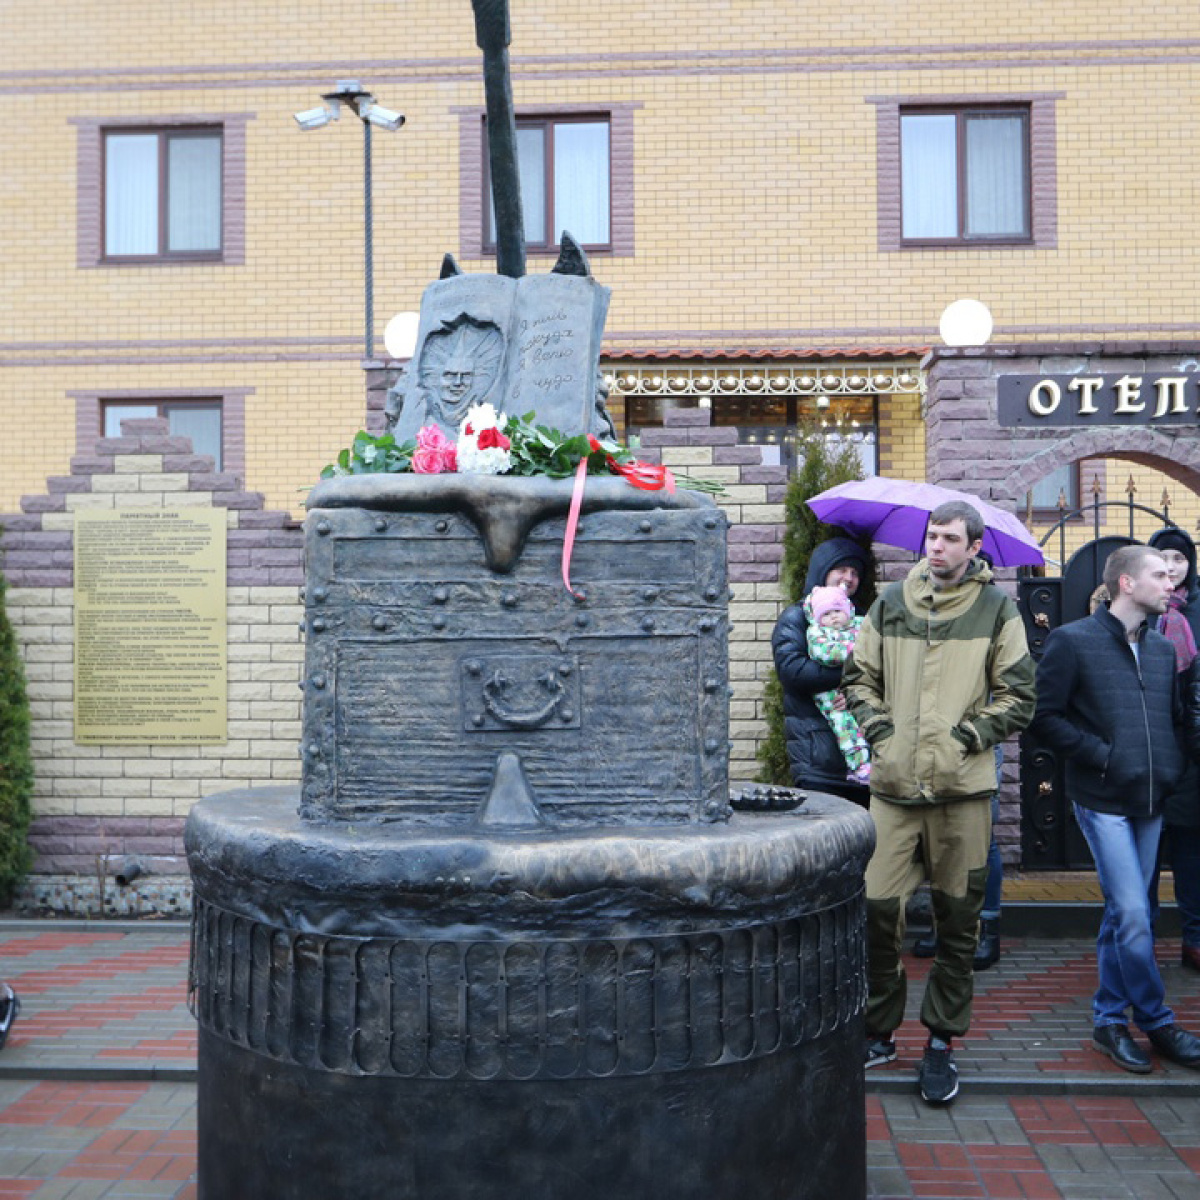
x,y
509,938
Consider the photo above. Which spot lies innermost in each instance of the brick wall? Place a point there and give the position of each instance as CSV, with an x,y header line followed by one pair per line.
x,y
119,801
753,165
689,443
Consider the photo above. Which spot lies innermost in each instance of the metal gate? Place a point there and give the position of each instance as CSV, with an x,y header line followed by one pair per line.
x,y
1050,838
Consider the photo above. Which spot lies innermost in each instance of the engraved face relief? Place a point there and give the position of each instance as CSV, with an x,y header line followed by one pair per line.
x,y
459,365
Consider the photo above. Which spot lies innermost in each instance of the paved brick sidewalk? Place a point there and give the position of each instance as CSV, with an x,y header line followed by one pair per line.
x,y
106,999
97,1103
1031,1025
119,1141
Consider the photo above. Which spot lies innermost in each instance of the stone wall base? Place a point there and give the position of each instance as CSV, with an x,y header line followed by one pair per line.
x,y
153,896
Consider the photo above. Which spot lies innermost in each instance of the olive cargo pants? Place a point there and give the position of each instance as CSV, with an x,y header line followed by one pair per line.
x,y
948,845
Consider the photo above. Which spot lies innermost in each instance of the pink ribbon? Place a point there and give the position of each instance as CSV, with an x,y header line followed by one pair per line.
x,y
650,477
572,524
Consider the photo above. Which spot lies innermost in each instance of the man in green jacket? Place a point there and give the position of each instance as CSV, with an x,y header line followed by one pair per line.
x,y
940,674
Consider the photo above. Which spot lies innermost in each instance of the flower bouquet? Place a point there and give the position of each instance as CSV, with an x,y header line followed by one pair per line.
x,y
491,443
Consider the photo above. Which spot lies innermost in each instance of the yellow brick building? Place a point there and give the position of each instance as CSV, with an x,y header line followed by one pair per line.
x,y
750,194
772,218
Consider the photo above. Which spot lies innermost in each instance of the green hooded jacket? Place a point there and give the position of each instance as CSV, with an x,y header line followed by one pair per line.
x,y
937,678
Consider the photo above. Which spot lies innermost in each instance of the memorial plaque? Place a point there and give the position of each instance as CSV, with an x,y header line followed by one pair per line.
x,y
150,634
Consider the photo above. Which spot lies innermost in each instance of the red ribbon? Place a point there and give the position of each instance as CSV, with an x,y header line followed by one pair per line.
x,y
650,477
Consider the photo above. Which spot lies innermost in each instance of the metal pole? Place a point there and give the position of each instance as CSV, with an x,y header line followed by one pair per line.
x,y
367,250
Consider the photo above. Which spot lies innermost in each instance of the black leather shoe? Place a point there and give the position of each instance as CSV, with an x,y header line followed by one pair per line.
x,y
1114,1040
1190,958
1176,1044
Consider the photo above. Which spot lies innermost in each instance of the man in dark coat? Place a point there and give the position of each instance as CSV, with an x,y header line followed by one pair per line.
x,y
1109,703
816,762
1180,624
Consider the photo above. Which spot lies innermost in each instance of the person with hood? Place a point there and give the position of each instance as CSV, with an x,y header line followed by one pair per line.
x,y
940,674
1180,625
813,754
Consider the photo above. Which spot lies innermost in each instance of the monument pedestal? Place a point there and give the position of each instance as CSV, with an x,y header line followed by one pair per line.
x,y
657,1011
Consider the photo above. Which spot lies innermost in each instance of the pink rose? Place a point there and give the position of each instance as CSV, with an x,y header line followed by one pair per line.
x,y
435,453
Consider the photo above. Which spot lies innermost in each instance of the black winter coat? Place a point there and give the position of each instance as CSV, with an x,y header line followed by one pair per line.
x,y
1182,806
813,753
1115,719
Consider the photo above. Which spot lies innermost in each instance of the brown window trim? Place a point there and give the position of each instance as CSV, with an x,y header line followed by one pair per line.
x,y
471,183
165,136
547,124
89,171
1043,168
89,420
961,113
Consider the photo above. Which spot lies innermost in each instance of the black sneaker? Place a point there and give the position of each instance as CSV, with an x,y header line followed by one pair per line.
x,y
880,1050
10,1005
938,1076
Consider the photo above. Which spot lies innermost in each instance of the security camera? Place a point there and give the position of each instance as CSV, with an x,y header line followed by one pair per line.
x,y
385,118
314,118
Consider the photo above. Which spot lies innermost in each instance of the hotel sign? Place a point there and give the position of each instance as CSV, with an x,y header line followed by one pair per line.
x,y
1152,399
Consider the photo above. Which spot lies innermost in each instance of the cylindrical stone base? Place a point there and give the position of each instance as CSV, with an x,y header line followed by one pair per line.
x,y
784,1126
669,1014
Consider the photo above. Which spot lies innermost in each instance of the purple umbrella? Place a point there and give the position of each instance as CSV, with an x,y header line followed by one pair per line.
x,y
896,513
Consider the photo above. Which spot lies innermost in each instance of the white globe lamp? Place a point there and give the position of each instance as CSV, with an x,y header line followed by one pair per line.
x,y
400,336
966,323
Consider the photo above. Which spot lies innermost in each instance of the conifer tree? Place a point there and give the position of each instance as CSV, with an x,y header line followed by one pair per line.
x,y
821,462
16,762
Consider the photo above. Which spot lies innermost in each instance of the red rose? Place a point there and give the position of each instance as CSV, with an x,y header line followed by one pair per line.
x,y
493,439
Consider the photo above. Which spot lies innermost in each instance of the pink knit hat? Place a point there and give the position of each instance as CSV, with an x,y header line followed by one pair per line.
x,y
825,599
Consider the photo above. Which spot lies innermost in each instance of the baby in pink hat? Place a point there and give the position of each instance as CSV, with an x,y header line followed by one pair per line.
x,y
833,625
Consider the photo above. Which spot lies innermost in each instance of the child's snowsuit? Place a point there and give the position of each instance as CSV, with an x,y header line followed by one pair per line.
x,y
832,647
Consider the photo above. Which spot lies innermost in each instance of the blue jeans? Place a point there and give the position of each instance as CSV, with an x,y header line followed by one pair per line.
x,y
1125,849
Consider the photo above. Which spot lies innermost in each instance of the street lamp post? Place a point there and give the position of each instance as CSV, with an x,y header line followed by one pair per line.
x,y
352,93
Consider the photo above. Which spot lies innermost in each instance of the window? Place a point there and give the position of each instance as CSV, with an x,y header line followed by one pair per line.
x,y
965,171
565,166
964,176
199,420
154,190
1043,498
162,193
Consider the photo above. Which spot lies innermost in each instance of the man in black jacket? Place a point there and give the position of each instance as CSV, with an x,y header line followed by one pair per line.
x,y
1109,703
813,754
